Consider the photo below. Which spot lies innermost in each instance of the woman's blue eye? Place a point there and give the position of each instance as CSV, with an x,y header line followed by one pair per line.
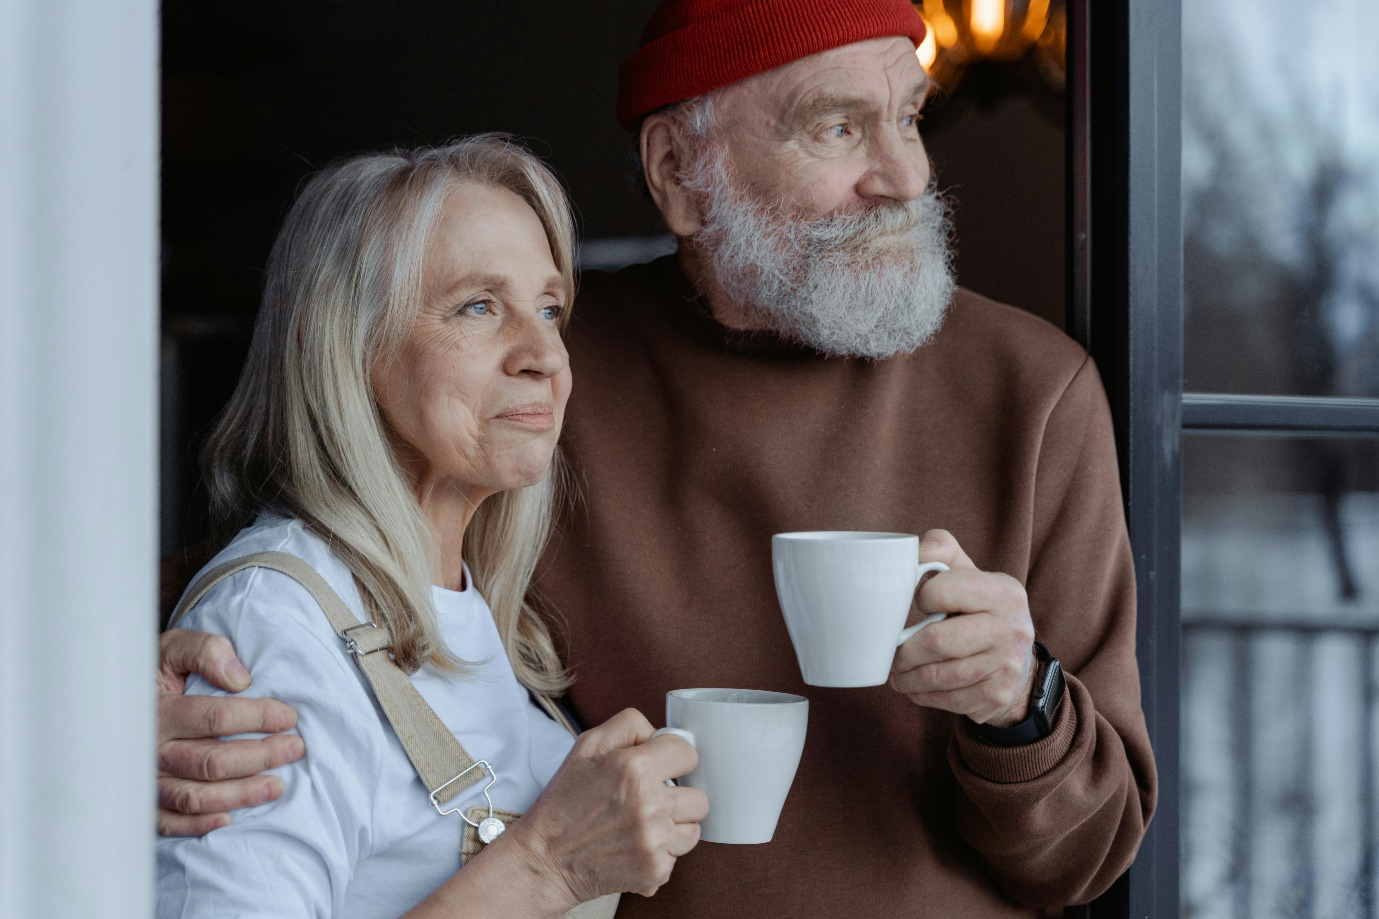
x,y
554,311
838,130
477,308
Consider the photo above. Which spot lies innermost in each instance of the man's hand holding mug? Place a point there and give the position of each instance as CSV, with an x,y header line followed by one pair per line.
x,y
846,595
978,661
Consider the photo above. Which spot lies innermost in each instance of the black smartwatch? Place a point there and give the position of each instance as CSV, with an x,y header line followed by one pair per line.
x,y
1043,705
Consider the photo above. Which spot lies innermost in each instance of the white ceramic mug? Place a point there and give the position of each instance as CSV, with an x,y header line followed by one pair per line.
x,y
749,744
845,597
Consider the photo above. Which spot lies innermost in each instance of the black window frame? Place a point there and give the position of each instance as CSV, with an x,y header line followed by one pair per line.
x,y
1125,305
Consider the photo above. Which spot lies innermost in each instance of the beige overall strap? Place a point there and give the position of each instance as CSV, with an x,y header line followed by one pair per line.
x,y
444,765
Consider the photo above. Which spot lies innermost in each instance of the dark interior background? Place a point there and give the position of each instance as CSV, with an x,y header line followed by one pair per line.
x,y
257,94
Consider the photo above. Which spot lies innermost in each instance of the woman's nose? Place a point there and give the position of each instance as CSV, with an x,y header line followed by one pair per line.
x,y
537,350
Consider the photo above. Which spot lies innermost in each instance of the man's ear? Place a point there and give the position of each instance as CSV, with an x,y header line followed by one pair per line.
x,y
661,166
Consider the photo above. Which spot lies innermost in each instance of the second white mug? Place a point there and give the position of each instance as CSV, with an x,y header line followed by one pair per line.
x,y
749,743
845,596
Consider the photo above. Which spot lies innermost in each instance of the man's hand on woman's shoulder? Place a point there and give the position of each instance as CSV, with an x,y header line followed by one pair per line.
x,y
200,777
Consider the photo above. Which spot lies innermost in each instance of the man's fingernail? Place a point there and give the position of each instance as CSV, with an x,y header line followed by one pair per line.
x,y
237,672
930,543
273,788
296,749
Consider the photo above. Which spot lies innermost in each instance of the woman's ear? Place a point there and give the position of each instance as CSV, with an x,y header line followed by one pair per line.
x,y
662,164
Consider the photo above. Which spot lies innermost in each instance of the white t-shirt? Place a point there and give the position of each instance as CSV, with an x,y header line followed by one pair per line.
x,y
353,834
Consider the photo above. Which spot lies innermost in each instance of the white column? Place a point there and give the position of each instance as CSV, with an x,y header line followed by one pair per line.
x,y
78,455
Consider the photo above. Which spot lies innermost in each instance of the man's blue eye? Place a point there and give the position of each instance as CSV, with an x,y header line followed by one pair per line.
x,y
554,311
838,130
477,308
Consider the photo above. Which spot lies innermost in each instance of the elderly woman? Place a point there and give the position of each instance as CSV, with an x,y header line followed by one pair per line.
x,y
394,428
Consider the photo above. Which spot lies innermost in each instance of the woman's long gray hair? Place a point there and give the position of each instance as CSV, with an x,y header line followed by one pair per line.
x,y
303,435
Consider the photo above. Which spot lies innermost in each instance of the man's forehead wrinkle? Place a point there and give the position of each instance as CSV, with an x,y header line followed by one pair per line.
x,y
903,70
815,101
911,81
904,58
837,85
770,100
827,102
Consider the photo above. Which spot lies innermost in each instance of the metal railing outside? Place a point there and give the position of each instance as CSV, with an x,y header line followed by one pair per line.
x,y
1242,643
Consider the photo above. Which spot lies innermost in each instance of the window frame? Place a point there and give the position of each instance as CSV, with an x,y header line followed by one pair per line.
x,y
1125,306
1125,266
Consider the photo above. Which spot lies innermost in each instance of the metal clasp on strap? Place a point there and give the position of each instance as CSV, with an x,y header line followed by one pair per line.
x,y
490,828
352,646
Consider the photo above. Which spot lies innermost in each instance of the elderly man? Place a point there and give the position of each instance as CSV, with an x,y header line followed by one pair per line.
x,y
805,362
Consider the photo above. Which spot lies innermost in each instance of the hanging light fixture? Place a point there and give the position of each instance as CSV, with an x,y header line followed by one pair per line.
x,y
962,32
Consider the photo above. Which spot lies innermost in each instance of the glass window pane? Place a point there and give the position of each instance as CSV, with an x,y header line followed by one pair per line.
x,y
1280,591
1281,196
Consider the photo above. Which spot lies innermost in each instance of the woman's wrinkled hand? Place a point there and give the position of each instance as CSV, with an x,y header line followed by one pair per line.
x,y
608,822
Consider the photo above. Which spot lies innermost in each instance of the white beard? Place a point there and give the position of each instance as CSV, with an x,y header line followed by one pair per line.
x,y
870,283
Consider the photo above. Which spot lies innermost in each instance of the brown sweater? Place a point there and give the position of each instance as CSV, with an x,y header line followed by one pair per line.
x,y
691,445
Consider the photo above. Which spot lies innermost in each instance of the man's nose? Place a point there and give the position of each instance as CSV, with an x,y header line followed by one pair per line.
x,y
899,169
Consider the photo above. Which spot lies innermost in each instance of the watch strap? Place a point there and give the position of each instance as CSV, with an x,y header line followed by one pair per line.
x,y
1045,697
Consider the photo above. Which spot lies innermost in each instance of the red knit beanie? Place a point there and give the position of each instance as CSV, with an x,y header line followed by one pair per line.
x,y
693,46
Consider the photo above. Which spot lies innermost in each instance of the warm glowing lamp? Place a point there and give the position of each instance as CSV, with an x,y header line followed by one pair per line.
x,y
987,22
962,32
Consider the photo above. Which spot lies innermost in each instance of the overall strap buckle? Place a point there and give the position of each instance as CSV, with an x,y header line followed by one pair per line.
x,y
372,643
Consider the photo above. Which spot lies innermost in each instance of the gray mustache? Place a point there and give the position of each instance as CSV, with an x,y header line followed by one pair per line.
x,y
878,224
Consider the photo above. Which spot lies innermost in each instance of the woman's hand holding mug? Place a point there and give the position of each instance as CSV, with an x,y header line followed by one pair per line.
x,y
607,822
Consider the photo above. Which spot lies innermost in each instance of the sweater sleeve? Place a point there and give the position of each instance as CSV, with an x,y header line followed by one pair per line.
x,y
1058,820
293,856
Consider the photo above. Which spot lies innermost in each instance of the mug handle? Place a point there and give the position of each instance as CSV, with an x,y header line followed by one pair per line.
x,y
684,735
912,631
